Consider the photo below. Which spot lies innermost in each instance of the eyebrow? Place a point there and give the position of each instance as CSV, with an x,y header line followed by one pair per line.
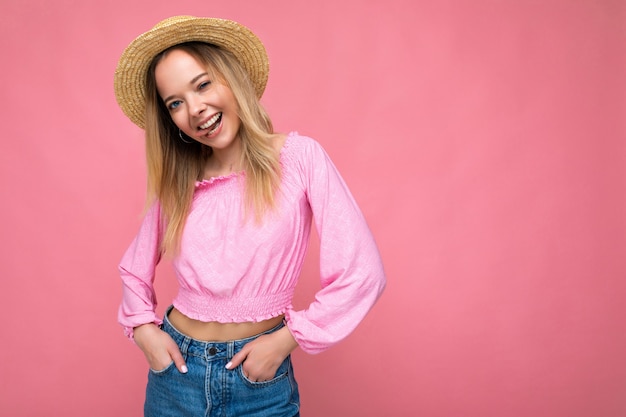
x,y
193,80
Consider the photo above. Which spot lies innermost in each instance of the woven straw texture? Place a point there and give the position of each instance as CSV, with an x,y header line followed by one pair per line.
x,y
132,68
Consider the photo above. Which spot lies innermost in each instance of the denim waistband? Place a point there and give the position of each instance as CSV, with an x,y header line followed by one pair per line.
x,y
208,350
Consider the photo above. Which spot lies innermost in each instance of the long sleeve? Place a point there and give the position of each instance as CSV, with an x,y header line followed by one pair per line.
x,y
137,269
352,275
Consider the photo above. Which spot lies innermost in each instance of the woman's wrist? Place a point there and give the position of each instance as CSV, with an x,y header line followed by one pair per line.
x,y
142,330
287,341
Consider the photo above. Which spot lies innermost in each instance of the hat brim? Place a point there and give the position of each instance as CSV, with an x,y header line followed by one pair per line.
x,y
130,74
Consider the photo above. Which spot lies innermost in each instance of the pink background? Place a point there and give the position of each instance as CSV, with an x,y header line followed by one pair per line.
x,y
485,141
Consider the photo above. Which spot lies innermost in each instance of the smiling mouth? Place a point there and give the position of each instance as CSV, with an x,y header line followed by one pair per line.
x,y
212,124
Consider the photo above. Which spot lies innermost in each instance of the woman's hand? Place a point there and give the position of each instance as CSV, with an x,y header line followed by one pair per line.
x,y
158,347
262,357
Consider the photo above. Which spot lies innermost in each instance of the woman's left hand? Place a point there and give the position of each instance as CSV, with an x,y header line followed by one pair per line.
x,y
262,357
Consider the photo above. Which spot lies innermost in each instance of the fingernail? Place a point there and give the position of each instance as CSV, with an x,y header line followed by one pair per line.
x,y
184,369
228,365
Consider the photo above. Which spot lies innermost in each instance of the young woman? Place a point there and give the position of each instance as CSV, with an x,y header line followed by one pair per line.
x,y
232,203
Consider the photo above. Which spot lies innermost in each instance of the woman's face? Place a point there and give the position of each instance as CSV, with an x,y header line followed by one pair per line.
x,y
200,105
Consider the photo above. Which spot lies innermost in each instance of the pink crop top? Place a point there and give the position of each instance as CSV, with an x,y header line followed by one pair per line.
x,y
231,269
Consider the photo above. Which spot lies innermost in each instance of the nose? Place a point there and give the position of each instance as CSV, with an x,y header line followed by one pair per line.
x,y
196,105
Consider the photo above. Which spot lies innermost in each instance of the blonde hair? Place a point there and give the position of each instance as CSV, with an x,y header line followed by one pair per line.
x,y
174,166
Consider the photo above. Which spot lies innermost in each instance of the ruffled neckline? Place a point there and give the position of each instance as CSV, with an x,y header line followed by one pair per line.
x,y
223,178
220,178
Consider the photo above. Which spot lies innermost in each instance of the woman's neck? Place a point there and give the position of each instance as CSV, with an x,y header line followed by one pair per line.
x,y
223,162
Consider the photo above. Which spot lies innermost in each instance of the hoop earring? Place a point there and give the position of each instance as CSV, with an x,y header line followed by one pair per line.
x,y
180,135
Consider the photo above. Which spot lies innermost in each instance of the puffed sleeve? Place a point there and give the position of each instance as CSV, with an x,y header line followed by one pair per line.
x,y
352,275
137,269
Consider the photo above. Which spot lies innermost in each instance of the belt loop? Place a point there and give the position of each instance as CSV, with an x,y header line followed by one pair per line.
x,y
230,349
184,345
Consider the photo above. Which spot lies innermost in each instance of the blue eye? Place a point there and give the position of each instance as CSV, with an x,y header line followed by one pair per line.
x,y
173,104
204,85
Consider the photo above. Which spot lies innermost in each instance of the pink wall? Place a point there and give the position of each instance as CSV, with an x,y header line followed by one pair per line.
x,y
484,139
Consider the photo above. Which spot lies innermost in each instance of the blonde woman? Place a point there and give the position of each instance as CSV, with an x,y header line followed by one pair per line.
x,y
232,203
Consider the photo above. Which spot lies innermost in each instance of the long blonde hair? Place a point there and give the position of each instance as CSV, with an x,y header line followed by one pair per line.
x,y
174,166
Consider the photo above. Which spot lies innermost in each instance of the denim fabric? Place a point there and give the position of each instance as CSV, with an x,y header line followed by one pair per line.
x,y
208,389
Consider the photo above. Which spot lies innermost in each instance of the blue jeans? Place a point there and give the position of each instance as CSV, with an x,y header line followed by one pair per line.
x,y
209,389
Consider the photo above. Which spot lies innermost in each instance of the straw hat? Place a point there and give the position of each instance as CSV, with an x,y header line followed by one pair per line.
x,y
132,68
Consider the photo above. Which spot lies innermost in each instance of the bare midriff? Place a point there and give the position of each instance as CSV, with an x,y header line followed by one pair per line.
x,y
219,332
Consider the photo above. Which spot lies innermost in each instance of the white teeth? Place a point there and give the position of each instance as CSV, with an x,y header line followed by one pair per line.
x,y
213,130
210,121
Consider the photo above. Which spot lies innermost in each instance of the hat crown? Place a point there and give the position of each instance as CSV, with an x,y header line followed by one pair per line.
x,y
172,21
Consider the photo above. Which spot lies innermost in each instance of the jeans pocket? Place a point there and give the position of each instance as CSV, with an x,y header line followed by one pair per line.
x,y
164,370
281,373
